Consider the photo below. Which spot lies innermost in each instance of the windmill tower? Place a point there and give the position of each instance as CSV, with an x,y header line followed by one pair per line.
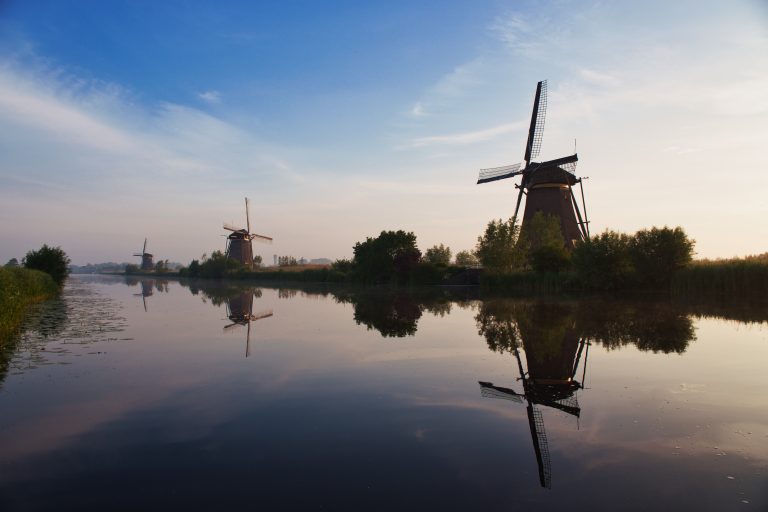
x,y
548,186
240,241
550,381
146,259
240,312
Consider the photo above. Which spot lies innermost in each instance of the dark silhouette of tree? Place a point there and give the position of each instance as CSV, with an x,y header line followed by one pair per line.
x,y
51,260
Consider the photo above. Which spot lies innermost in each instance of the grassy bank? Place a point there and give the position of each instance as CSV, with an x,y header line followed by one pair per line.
x,y
19,288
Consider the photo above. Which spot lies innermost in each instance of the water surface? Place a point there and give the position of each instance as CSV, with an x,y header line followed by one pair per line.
x,y
149,394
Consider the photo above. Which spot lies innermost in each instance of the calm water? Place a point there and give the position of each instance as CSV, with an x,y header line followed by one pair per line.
x,y
148,394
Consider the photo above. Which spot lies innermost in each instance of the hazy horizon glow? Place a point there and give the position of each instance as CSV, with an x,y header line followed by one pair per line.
x,y
129,120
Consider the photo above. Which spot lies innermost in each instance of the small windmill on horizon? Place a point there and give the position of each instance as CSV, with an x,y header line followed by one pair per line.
x,y
240,240
146,259
548,186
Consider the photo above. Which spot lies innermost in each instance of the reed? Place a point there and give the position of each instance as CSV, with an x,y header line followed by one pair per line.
x,y
725,279
19,288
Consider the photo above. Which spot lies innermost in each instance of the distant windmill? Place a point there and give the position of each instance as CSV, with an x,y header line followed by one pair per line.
x,y
547,185
240,241
240,312
146,258
549,383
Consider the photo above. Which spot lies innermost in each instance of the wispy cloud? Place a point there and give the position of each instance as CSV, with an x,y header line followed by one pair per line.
x,y
516,33
418,110
212,97
467,137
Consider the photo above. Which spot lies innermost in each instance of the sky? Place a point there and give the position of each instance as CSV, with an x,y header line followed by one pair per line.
x,y
123,120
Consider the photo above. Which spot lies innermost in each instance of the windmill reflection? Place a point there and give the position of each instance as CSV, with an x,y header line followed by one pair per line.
x,y
147,287
240,313
553,355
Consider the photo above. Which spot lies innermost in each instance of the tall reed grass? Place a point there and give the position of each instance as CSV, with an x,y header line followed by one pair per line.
x,y
19,288
727,279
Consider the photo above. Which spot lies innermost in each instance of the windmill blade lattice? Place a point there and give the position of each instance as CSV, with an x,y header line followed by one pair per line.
x,y
498,173
541,114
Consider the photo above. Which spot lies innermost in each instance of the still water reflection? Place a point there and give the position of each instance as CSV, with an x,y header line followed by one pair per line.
x,y
214,396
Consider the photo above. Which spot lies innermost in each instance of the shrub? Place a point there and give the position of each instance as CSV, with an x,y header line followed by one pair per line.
x,y
51,260
603,262
658,253
390,256
549,258
466,259
438,255
497,249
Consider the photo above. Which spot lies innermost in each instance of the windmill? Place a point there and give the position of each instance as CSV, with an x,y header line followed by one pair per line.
x,y
240,241
146,258
240,312
545,384
548,186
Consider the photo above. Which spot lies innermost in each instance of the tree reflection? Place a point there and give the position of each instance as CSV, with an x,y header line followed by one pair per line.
x,y
654,326
395,313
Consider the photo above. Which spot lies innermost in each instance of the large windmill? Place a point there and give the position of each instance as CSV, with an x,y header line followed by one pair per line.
x,y
548,382
146,258
240,312
548,186
240,241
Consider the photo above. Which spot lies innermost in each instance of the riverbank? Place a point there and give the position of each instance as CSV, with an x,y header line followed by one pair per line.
x,y
731,279
19,289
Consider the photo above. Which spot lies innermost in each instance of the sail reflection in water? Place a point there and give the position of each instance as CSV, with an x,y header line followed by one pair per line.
x,y
240,313
553,353
555,339
147,287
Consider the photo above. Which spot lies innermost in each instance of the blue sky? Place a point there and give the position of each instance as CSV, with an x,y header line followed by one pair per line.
x,y
122,120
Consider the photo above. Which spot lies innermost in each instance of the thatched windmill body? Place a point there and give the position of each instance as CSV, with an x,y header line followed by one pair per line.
x,y
548,186
240,240
146,259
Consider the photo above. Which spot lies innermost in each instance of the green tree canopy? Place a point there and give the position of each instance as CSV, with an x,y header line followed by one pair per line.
x,y
51,260
498,248
438,255
544,240
603,262
392,255
658,253
466,259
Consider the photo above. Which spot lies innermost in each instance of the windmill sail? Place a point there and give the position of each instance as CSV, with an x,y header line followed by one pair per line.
x,y
547,186
498,173
536,130
540,445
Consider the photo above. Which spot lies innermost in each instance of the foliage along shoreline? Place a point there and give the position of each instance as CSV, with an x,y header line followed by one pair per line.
x,y
533,260
19,289
40,276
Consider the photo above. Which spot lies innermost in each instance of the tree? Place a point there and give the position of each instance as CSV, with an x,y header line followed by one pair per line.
x,y
466,259
12,263
217,265
603,261
658,253
544,240
392,255
498,248
51,260
257,261
161,266
438,255
131,268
